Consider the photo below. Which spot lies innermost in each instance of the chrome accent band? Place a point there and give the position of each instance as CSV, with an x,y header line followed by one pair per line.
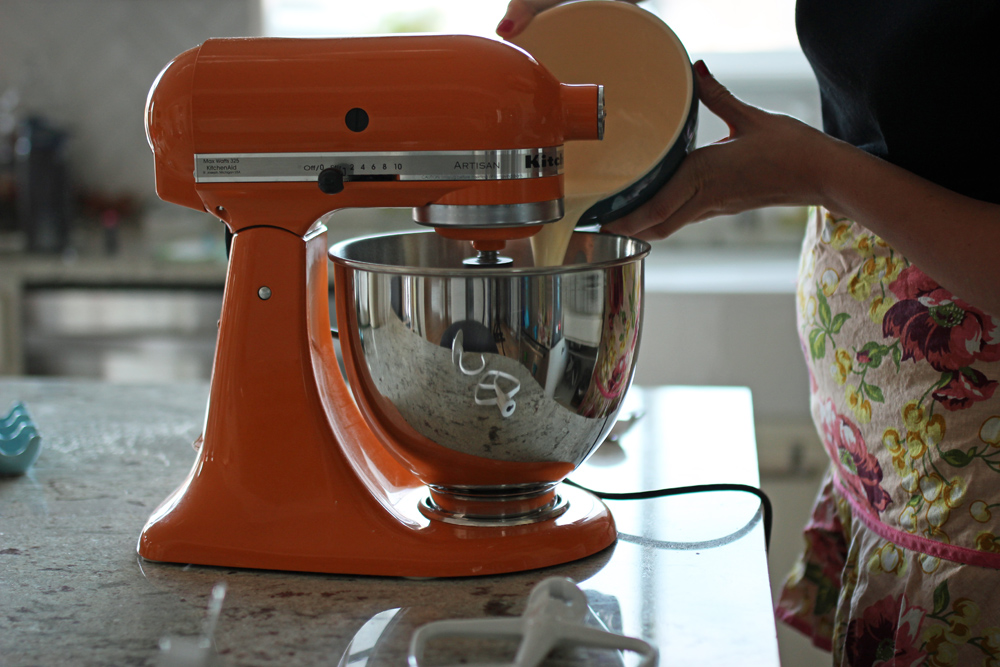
x,y
601,112
491,215
552,510
471,165
493,492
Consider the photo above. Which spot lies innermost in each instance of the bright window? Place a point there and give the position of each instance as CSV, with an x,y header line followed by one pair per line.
x,y
705,26
728,26
300,18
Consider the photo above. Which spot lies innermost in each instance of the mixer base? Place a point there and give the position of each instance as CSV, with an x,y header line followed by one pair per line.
x,y
290,476
324,542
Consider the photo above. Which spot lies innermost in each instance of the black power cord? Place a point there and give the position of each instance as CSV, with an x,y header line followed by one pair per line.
x,y
765,502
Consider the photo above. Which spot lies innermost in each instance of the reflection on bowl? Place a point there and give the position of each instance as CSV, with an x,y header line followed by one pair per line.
x,y
624,424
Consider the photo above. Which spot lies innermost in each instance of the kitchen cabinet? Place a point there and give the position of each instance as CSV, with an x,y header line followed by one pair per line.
x,y
145,333
90,315
137,316
688,573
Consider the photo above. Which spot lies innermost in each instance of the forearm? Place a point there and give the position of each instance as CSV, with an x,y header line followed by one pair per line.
x,y
952,238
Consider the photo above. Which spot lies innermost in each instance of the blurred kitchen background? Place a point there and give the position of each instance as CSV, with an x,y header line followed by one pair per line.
x,y
99,279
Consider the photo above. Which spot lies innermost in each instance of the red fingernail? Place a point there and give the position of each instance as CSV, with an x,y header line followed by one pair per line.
x,y
701,68
505,26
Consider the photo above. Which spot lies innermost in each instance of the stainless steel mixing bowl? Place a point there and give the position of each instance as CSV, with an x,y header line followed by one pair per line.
x,y
490,384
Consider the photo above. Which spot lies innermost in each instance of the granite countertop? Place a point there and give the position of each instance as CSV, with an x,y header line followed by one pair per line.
x,y
688,573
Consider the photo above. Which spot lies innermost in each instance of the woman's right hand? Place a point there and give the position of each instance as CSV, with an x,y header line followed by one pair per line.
x,y
521,12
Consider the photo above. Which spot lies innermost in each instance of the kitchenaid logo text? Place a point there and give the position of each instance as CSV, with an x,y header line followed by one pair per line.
x,y
542,161
220,165
531,162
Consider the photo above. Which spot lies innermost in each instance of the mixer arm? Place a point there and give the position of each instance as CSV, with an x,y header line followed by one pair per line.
x,y
281,132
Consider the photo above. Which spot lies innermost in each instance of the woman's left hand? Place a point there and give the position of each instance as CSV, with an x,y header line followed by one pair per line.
x,y
768,159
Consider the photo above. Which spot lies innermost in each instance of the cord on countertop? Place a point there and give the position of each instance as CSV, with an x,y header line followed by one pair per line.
x,y
765,502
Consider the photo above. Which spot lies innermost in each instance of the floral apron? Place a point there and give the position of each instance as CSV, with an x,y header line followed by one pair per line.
x,y
902,551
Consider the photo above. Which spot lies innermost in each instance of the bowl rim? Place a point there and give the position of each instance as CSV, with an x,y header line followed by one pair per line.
x,y
336,254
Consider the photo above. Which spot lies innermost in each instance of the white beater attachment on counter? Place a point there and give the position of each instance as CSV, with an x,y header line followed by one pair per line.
x,y
554,617
196,651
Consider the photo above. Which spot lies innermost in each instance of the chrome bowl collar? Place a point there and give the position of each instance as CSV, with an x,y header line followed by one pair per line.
x,y
488,216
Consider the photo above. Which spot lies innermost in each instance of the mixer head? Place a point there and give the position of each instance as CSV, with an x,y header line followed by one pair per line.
x,y
467,131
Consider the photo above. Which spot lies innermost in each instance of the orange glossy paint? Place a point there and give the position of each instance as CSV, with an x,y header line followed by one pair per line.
x,y
291,474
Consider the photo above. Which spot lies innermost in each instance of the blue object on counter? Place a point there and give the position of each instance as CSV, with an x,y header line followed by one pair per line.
x,y
20,442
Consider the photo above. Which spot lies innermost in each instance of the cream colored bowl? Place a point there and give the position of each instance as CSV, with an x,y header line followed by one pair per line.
x,y
649,94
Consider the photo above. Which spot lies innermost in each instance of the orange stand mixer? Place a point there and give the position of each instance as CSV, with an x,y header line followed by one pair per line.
x,y
272,135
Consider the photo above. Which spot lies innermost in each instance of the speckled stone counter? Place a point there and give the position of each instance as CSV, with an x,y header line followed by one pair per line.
x,y
688,572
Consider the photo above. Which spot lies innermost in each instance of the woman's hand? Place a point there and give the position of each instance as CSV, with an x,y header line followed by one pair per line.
x,y
521,12
768,159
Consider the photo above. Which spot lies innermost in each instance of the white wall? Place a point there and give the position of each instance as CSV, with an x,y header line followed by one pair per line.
x,y
87,65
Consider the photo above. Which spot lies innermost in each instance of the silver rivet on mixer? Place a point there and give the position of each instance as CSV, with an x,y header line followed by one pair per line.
x,y
264,293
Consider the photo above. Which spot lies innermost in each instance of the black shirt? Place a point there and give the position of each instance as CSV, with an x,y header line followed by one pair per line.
x,y
913,82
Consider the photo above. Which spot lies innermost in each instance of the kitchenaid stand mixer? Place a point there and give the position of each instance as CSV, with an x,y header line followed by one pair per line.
x,y
271,135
